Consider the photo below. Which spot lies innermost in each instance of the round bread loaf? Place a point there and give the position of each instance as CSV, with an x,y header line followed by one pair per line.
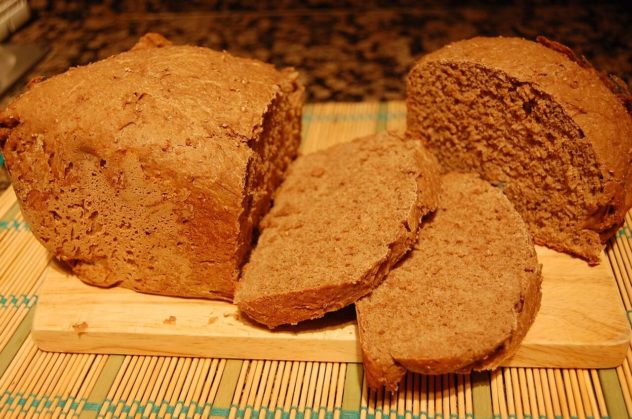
x,y
463,298
341,219
535,122
151,168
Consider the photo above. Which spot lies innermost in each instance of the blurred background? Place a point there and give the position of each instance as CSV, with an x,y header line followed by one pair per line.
x,y
353,50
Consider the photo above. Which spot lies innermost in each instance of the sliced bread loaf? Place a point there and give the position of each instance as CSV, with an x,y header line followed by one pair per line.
x,y
342,218
150,169
463,298
539,123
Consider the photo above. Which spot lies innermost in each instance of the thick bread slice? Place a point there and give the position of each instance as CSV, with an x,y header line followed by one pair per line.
x,y
342,218
150,169
463,298
536,121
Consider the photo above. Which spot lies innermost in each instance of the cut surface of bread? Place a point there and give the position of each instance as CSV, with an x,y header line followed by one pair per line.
x,y
536,123
150,169
341,219
462,299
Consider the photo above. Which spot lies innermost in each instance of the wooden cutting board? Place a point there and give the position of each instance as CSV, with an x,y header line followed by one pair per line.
x,y
581,323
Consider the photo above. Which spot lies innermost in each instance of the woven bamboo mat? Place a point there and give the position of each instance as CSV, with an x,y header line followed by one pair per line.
x,y
35,383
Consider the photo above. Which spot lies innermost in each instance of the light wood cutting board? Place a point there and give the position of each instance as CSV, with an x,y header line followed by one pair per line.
x,y
581,324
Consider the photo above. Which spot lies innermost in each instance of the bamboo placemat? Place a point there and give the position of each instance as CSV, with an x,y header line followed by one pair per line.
x,y
36,383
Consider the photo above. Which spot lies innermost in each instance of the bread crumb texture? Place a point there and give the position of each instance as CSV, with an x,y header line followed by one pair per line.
x,y
529,119
150,169
341,219
463,298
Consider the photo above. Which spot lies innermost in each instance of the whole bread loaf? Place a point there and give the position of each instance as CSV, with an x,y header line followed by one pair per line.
x,y
150,169
341,219
462,299
537,122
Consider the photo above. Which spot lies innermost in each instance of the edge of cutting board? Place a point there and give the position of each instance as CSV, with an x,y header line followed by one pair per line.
x,y
581,323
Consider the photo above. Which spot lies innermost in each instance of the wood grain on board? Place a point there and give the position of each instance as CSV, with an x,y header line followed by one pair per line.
x,y
581,323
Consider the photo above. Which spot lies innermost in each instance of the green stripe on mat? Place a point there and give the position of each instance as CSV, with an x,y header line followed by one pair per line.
x,y
45,404
17,301
612,393
11,213
352,392
481,395
98,394
15,343
8,220
307,110
226,389
625,231
381,122
380,116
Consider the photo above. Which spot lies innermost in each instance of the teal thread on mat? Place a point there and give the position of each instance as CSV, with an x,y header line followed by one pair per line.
x,y
1,159
44,404
378,116
349,414
625,231
14,224
25,402
17,301
284,414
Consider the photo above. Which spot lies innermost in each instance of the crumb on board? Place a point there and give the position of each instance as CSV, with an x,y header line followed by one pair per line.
x,y
170,320
80,328
234,315
212,319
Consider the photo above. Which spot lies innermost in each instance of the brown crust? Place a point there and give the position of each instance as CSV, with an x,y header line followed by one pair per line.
x,y
612,82
298,306
385,362
289,305
151,40
587,99
157,160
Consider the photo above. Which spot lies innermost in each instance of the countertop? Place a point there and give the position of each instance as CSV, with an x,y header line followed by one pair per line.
x,y
360,51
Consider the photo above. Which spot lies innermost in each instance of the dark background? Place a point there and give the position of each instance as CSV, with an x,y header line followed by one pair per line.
x,y
345,50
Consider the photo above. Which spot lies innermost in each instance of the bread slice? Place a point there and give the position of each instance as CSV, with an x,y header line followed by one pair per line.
x,y
150,169
463,298
342,218
536,121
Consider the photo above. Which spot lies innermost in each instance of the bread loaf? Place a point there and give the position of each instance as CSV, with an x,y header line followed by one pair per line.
x,y
342,218
463,298
150,169
538,123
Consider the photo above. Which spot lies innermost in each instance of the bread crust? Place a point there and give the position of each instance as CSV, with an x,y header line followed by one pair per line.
x,y
589,106
444,278
273,292
139,170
